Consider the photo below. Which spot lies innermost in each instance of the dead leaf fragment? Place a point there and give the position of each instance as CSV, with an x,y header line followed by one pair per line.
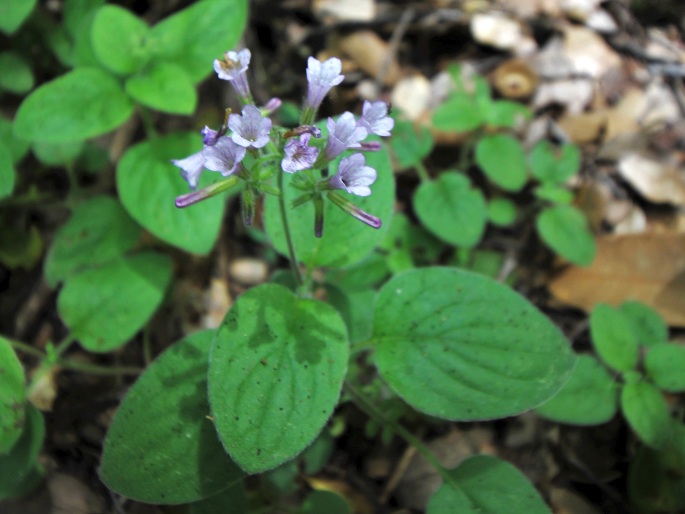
x,y
658,180
345,10
412,95
646,267
515,79
497,30
372,54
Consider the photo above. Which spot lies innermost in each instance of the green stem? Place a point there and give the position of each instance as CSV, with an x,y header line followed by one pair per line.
x,y
26,348
63,345
146,118
99,370
422,172
370,409
286,231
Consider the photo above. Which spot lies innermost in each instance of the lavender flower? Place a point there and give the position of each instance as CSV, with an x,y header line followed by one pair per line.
x,y
354,211
343,134
321,78
209,136
224,156
250,129
354,176
191,168
233,68
299,155
375,118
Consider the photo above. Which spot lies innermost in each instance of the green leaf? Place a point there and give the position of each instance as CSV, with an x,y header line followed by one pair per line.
x,y
83,103
275,373
664,365
451,209
8,176
564,229
162,447
324,501
460,346
165,87
233,500
20,248
13,13
409,144
148,184
12,397
505,113
104,307
502,212
18,148
502,159
345,240
654,485
364,275
407,245
590,397
119,39
191,38
78,19
15,73
57,154
21,460
355,309
460,113
554,165
487,485
553,193
647,413
99,231
648,325
613,338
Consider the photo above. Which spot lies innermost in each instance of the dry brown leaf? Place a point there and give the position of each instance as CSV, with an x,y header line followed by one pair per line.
x,y
584,127
345,10
566,502
498,30
645,267
71,496
588,52
372,54
360,503
43,390
657,179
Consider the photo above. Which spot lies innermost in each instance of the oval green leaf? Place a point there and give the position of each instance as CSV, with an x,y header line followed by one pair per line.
x,y
554,165
665,365
275,374
148,184
8,175
12,397
613,338
13,13
83,103
460,113
564,229
118,38
648,325
487,485
15,73
98,231
162,447
191,38
460,346
647,413
590,396
104,307
165,87
501,158
345,240
502,211
451,209
20,462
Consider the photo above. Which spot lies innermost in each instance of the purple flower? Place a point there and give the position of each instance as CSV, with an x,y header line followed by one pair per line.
x,y
298,154
233,68
354,176
321,78
191,168
353,210
209,136
224,156
250,129
375,118
343,134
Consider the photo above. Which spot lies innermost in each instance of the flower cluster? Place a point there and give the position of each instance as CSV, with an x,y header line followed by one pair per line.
x,y
251,133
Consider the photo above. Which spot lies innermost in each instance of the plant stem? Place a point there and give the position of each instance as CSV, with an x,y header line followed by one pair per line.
x,y
422,172
286,231
370,409
26,348
146,118
63,345
98,370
